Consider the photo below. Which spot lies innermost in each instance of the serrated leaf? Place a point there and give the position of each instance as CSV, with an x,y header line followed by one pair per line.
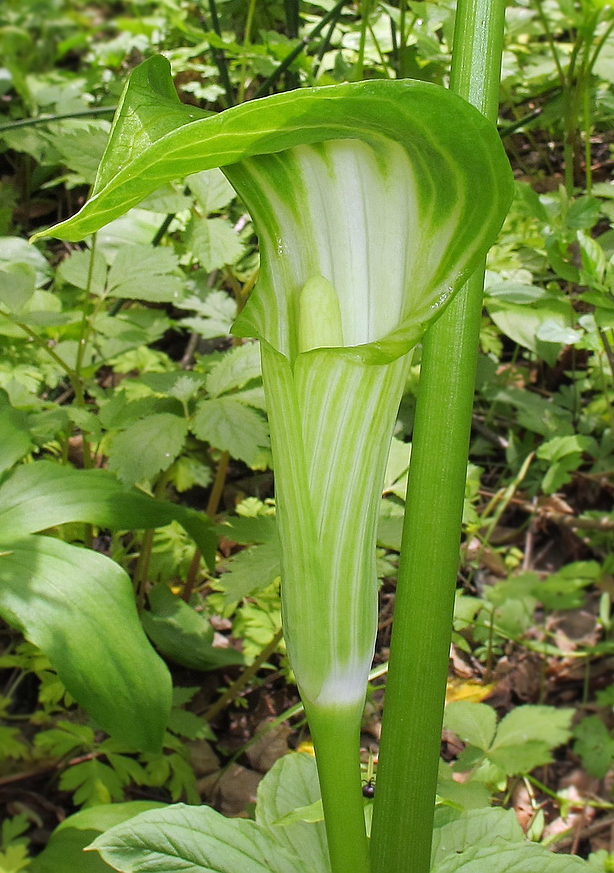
x,y
90,632
526,737
92,783
292,784
237,367
62,740
211,189
14,858
520,759
147,447
474,723
215,314
251,570
228,425
193,840
11,746
79,271
142,272
533,722
214,243
594,744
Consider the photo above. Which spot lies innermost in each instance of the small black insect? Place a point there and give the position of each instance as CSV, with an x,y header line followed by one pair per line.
x,y
368,788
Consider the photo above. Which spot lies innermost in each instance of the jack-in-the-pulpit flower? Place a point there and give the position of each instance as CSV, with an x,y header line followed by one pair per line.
x,y
372,202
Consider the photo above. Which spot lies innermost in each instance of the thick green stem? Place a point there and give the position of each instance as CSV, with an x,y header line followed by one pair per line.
x,y
336,735
415,691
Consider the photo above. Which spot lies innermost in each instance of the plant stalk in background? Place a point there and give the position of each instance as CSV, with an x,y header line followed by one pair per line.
x,y
415,689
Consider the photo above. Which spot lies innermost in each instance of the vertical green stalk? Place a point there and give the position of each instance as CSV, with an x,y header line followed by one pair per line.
x,y
415,691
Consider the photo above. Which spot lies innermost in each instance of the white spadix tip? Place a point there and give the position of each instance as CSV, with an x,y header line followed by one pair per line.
x,y
319,323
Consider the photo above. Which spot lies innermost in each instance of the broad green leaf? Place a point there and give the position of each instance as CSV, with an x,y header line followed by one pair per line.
x,y
16,441
183,635
474,723
64,851
292,783
475,829
190,839
147,447
78,607
523,324
237,367
43,494
214,243
229,425
510,858
15,250
239,529
142,272
17,285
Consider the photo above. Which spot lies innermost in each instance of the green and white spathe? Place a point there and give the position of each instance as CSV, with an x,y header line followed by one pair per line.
x,y
372,202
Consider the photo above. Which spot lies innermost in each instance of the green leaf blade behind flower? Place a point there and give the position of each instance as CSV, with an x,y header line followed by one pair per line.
x,y
78,607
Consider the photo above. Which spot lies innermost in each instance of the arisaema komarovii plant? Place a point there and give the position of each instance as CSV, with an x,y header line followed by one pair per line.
x,y
373,201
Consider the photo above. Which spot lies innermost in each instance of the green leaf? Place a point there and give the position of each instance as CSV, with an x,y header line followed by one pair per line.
x,y
78,607
147,447
229,425
251,570
92,783
194,840
183,635
594,745
215,314
526,737
533,722
476,828
15,250
78,270
214,243
64,851
16,441
474,723
11,745
65,739
17,285
510,858
237,367
141,272
43,494
292,784
211,189
533,327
